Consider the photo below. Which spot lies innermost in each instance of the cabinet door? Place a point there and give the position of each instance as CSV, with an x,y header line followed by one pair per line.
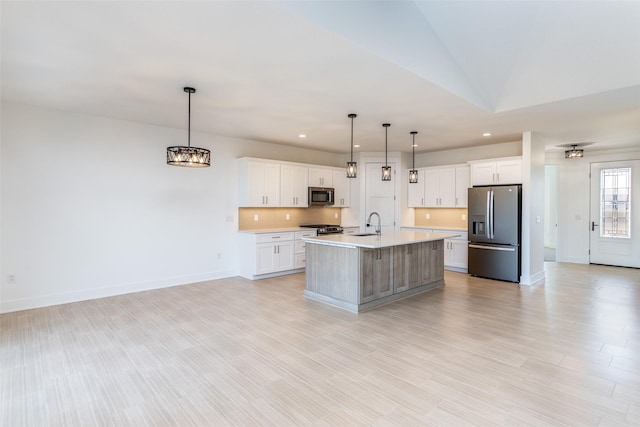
x,y
293,186
416,191
272,184
447,188
407,268
433,261
320,177
285,259
431,188
265,258
509,171
483,173
458,251
462,186
376,279
264,184
342,186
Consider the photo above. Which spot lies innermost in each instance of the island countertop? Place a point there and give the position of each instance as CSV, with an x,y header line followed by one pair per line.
x,y
386,239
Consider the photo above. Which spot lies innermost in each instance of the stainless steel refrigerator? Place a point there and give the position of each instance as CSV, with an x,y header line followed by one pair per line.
x,y
494,232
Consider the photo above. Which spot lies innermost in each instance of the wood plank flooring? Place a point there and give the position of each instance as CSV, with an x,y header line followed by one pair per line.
x,y
234,352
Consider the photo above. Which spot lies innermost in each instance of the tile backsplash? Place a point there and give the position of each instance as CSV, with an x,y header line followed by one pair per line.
x,y
277,217
441,217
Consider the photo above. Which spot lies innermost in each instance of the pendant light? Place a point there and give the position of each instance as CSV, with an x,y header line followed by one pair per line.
x,y
190,157
413,173
574,153
352,167
386,169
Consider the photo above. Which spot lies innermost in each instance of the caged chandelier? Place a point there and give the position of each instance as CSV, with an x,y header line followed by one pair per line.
x,y
352,167
190,157
386,169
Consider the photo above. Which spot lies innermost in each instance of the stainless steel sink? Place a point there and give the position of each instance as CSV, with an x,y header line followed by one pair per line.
x,y
363,234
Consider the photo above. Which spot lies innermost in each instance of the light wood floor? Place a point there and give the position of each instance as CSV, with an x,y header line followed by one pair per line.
x,y
235,352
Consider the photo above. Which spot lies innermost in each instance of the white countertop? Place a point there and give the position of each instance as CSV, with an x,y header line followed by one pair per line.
x,y
388,238
425,227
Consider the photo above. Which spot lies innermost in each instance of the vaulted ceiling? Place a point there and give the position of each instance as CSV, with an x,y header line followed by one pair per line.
x,y
270,70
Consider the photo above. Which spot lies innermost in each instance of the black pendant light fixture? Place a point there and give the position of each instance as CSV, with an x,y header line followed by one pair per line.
x,y
386,169
574,153
413,173
352,167
190,157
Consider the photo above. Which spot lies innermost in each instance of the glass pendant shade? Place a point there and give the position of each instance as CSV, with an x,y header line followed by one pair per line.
x,y
386,173
352,167
413,173
188,156
386,169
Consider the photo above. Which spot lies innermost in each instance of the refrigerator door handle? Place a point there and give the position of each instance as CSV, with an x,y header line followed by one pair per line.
x,y
488,217
492,218
493,248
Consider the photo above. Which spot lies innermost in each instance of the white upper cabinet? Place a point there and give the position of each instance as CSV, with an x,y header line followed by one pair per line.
x,y
462,186
320,177
416,191
294,182
441,187
259,183
497,171
342,187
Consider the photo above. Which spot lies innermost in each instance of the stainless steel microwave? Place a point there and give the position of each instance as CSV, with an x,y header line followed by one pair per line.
x,y
320,196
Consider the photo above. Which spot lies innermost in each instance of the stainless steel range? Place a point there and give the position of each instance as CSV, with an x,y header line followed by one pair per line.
x,y
322,229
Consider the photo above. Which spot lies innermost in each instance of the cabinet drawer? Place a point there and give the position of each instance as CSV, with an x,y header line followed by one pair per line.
x,y
301,234
300,246
300,260
273,237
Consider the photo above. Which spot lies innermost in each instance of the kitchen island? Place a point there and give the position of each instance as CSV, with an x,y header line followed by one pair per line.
x,y
357,272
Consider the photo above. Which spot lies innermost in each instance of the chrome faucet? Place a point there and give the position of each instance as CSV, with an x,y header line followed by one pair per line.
x,y
378,228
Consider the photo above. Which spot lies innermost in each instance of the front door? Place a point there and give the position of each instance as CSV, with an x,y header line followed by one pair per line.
x,y
615,213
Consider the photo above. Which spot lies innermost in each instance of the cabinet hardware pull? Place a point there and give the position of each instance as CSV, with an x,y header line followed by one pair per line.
x,y
498,177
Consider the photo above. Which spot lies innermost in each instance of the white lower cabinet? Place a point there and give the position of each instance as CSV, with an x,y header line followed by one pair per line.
x,y
271,254
300,254
455,250
455,254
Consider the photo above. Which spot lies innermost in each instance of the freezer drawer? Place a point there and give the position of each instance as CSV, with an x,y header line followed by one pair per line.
x,y
500,262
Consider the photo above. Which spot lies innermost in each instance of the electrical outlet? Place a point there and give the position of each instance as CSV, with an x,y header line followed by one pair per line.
x,y
427,216
335,215
255,217
287,217
11,279
464,217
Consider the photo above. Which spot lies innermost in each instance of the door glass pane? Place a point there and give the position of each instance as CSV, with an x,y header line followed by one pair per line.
x,y
615,203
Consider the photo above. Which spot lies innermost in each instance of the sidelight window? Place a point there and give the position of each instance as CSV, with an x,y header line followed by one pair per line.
x,y
615,203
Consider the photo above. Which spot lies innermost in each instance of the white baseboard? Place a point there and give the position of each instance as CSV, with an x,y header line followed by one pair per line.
x,y
109,291
533,279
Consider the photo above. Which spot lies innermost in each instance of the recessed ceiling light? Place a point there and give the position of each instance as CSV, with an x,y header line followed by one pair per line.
x,y
356,146
486,134
414,145
302,135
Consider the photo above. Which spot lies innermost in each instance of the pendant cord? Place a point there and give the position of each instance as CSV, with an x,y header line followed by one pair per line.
x,y
351,139
414,152
189,123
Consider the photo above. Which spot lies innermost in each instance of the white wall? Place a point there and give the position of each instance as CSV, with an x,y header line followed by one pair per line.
x,y
90,208
532,247
463,155
573,199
